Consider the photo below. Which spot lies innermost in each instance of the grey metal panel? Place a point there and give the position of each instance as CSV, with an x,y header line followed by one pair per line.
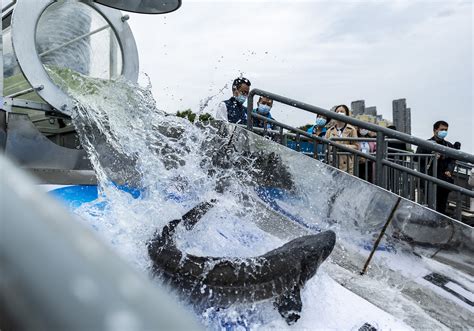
x,y
55,274
357,210
64,176
31,149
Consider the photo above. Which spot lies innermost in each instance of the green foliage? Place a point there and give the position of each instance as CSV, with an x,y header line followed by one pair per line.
x,y
205,117
192,116
186,114
303,128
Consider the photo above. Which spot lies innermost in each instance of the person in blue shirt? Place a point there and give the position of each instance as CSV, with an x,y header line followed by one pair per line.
x,y
319,129
233,110
264,105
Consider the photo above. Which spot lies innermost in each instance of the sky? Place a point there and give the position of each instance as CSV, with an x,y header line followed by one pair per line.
x,y
320,52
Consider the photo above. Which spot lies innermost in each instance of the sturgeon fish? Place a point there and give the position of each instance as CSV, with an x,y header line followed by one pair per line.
x,y
222,281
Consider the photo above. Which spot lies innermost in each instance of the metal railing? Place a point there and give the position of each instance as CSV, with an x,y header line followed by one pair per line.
x,y
395,170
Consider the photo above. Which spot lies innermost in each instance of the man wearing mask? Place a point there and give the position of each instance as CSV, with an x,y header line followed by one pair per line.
x,y
445,164
233,110
264,105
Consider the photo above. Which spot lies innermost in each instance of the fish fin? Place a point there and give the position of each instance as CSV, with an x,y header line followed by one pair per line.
x,y
289,305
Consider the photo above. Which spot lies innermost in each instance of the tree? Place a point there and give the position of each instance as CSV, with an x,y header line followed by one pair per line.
x,y
188,113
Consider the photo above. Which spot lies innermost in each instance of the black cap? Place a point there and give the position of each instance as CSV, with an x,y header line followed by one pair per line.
x,y
239,81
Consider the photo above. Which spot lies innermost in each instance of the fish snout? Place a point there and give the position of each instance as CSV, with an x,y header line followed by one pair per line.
x,y
316,249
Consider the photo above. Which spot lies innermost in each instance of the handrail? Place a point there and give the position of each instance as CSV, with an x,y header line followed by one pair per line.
x,y
312,137
377,158
459,155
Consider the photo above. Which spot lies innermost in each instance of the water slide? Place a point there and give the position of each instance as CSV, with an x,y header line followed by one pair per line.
x,y
420,276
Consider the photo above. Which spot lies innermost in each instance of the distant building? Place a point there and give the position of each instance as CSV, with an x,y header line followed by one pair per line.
x,y
357,107
401,115
368,114
374,119
384,123
367,118
372,111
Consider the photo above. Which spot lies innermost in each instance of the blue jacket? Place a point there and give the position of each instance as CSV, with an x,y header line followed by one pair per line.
x,y
236,112
320,150
260,123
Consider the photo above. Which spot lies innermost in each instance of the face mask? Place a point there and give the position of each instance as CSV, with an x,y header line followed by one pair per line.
x,y
363,132
241,98
442,134
320,121
264,109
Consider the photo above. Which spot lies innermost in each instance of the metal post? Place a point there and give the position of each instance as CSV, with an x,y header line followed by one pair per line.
x,y
26,91
74,40
3,129
356,165
406,183
380,155
348,162
366,172
397,175
281,136
379,238
425,185
433,185
315,149
249,113
298,142
458,212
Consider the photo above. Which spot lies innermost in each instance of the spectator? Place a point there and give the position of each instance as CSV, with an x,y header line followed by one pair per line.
x,y
233,110
264,105
445,166
343,130
396,144
319,129
366,147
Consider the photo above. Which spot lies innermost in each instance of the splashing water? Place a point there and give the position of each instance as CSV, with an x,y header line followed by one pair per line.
x,y
152,167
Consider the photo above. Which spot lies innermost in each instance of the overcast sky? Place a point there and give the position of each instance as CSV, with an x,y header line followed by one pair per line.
x,y
320,52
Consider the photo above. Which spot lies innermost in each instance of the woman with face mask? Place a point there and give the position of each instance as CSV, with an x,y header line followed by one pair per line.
x,y
319,129
341,129
366,147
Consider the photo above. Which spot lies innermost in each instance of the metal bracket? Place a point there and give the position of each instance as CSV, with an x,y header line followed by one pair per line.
x,y
9,103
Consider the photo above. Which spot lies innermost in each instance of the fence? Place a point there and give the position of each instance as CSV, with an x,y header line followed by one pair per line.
x,y
403,172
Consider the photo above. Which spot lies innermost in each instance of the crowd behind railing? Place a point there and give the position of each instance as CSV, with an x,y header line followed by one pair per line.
x,y
432,178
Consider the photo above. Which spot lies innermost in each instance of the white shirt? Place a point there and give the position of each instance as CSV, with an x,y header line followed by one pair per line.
x,y
221,114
